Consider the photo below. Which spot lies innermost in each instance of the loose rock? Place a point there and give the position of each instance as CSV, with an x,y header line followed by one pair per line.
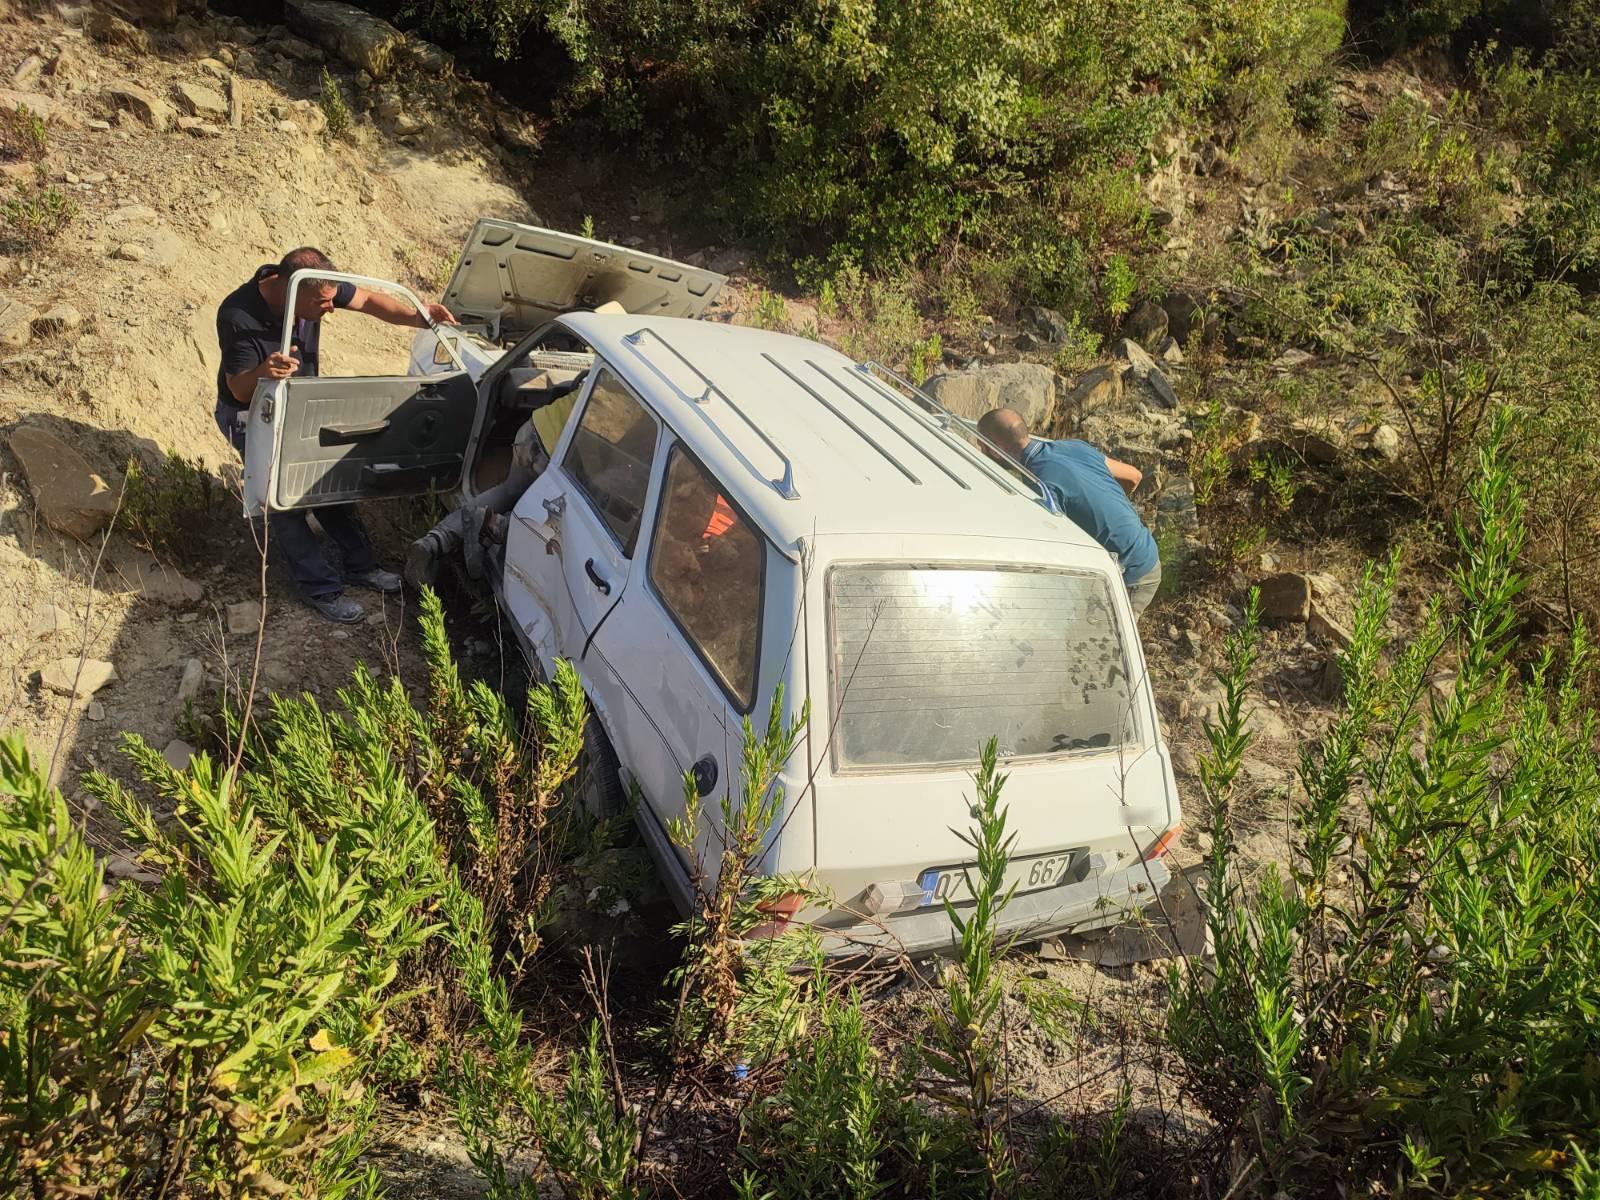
x,y
1381,441
1147,324
56,320
244,617
114,31
178,753
194,677
16,325
1095,390
129,252
66,678
67,495
151,110
1285,597
52,619
200,101
1047,323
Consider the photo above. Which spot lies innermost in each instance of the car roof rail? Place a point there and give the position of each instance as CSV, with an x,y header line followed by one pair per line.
x,y
844,419
844,386
940,419
784,485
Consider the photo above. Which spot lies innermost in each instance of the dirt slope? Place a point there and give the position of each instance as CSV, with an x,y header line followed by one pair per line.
x,y
168,223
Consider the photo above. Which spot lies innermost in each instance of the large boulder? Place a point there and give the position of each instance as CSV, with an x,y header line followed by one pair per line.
x,y
1147,325
362,40
1029,388
156,14
67,495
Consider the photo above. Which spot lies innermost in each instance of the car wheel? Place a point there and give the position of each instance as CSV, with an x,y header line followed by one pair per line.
x,y
599,775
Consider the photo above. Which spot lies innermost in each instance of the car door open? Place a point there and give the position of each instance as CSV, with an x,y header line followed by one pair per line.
x,y
313,441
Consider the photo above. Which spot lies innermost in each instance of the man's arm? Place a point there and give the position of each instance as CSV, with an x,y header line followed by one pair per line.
x,y
396,311
1126,474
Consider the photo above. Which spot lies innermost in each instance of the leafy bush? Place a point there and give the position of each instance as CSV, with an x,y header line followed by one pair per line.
x,y
23,134
1414,1002
333,105
206,1030
162,505
35,213
871,131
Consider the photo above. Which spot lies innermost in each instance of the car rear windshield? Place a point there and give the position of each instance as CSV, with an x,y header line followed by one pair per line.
x,y
929,661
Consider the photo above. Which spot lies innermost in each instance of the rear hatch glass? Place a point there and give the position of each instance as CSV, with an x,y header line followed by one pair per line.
x,y
928,661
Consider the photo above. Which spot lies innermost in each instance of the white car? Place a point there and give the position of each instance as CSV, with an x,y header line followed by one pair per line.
x,y
694,514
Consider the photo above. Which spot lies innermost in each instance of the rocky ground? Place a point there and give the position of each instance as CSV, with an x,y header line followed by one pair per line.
x,y
196,153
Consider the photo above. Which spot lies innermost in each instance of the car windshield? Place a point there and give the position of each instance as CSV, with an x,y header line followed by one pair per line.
x,y
929,661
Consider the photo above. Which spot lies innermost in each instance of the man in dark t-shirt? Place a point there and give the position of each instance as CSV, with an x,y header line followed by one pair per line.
x,y
250,333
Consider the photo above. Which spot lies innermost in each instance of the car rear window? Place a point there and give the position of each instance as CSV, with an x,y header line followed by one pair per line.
x,y
929,661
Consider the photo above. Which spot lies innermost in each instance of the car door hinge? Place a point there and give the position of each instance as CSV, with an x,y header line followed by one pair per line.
x,y
266,410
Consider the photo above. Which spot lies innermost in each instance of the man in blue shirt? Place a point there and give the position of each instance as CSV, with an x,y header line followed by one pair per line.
x,y
250,334
1093,491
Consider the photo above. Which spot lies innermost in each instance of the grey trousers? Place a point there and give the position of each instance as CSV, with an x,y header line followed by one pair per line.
x,y
1143,590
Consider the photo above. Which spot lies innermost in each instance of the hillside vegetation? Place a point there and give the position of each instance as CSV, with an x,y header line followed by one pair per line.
x,y
1364,241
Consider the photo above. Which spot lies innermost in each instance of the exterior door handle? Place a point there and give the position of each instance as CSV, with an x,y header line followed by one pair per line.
x,y
705,775
597,579
554,506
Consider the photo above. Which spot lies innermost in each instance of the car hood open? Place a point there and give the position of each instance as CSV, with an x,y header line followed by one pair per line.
x,y
512,278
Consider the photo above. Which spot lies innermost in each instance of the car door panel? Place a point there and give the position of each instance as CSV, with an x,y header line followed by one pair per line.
x,y
336,440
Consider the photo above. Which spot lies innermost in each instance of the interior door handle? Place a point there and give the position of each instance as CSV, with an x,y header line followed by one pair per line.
x,y
341,435
596,578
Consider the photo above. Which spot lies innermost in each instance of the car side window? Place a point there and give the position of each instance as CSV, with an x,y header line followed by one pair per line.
x,y
706,565
609,457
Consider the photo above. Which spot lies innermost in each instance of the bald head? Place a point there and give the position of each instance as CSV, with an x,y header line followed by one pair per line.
x,y
1006,428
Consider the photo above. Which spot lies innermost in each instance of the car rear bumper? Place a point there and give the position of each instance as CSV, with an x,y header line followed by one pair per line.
x,y
1094,903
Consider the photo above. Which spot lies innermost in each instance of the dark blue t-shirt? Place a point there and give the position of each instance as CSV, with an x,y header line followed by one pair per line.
x,y
248,331
1077,476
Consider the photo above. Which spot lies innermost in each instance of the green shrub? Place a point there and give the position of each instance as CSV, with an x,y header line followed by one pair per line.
x,y
209,1030
23,134
164,505
1413,1003
333,105
872,131
35,214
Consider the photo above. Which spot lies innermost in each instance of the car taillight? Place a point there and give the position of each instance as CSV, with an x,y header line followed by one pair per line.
x,y
783,907
1162,844
781,910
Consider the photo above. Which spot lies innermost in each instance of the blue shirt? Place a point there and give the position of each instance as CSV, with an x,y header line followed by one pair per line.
x,y
1083,486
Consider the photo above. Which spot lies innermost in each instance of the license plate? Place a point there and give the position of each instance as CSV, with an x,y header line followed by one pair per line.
x,y
1033,874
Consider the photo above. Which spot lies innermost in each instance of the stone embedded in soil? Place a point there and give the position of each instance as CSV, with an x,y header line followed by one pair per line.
x,y
64,677
129,252
148,108
52,619
200,101
1322,625
56,320
178,753
1095,390
244,617
103,27
16,325
96,711
1380,440
194,677
366,42
68,496
1286,597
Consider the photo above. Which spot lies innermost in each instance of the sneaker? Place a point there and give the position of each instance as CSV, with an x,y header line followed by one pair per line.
x,y
337,607
377,580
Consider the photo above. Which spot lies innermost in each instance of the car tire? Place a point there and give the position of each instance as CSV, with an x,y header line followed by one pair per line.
x,y
599,773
